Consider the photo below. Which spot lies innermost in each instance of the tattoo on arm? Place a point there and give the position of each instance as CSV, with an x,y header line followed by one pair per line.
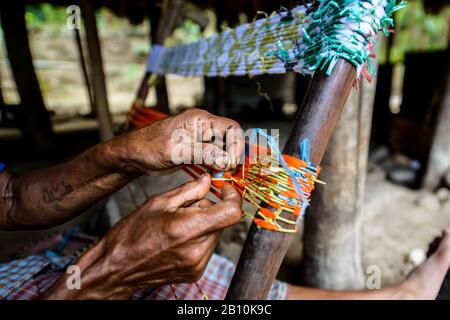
x,y
56,192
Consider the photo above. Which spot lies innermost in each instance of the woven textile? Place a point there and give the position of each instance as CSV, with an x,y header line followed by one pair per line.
x,y
303,39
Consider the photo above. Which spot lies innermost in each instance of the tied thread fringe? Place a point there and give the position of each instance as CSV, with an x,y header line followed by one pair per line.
x,y
347,29
278,185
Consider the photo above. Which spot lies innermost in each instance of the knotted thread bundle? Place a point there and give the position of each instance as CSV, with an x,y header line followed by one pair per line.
x,y
279,186
279,195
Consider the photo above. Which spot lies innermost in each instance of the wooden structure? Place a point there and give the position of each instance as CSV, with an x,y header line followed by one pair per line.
x,y
36,126
264,250
79,44
332,239
439,157
97,73
163,21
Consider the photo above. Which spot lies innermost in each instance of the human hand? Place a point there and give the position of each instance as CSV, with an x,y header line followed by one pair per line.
x,y
168,239
194,136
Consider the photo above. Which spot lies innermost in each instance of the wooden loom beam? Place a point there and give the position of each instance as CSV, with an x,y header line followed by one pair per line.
x,y
97,72
164,27
264,250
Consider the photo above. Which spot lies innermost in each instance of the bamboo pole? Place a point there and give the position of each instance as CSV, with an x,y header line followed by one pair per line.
x,y
77,38
97,72
169,14
264,250
35,122
439,158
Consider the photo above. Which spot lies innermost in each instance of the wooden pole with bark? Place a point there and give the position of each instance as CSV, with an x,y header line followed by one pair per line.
x,y
163,18
439,159
79,44
264,250
332,234
3,113
97,73
35,122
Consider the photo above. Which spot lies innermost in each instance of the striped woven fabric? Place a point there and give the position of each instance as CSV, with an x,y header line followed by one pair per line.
x,y
303,40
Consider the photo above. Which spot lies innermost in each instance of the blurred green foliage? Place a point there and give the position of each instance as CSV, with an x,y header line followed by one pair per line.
x,y
45,15
415,30
189,31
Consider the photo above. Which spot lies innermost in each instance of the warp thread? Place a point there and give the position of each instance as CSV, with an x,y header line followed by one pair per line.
x,y
303,39
278,185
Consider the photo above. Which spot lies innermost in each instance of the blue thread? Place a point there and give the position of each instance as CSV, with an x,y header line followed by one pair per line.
x,y
2,167
218,175
305,150
304,153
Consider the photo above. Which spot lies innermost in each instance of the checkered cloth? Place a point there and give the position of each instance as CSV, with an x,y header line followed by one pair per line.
x,y
26,279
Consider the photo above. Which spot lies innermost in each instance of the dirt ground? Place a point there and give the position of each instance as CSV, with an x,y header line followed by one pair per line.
x,y
397,221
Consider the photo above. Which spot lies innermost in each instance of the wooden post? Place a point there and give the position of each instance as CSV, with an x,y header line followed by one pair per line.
x,y
163,17
97,73
36,125
264,250
439,159
3,114
84,71
332,240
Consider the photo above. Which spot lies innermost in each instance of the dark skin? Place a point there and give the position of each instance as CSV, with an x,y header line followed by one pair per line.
x,y
168,239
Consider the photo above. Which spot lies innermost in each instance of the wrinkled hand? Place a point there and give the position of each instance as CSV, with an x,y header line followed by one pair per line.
x,y
194,136
169,239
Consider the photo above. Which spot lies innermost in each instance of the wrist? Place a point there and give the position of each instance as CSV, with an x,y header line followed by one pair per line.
x,y
115,156
143,149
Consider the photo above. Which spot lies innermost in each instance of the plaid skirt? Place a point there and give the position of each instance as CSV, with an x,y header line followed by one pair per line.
x,y
27,278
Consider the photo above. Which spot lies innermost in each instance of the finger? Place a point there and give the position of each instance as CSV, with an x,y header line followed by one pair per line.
x,y
235,145
233,137
185,194
214,157
215,217
203,203
223,124
230,195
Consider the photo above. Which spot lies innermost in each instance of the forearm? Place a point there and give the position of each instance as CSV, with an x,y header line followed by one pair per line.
x,y
52,196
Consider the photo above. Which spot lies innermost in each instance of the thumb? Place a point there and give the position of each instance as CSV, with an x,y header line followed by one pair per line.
x,y
187,193
214,157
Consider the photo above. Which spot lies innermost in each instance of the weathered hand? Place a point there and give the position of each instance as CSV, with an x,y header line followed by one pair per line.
x,y
169,239
194,136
